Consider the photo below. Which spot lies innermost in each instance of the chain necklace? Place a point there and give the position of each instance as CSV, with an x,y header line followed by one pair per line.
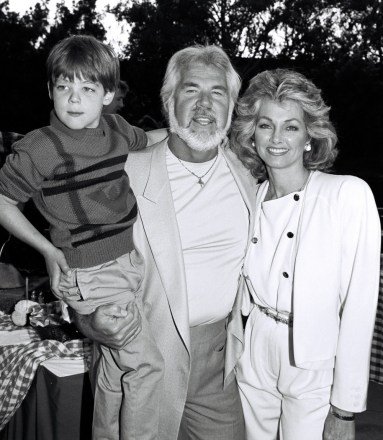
x,y
199,181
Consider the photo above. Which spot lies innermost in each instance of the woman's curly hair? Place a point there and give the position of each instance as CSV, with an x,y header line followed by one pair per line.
x,y
280,85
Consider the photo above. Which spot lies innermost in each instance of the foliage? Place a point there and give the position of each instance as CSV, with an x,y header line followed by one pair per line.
x,y
363,27
21,33
24,45
21,70
312,29
160,28
337,43
331,30
83,19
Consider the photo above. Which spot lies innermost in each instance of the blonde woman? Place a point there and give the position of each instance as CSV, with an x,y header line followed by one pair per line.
x,y
312,270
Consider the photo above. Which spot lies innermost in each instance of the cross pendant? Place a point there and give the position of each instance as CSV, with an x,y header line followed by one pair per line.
x,y
201,182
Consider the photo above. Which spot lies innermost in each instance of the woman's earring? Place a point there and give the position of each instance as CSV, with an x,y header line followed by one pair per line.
x,y
253,144
308,146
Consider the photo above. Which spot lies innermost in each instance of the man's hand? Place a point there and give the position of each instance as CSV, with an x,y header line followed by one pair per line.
x,y
336,429
56,264
111,325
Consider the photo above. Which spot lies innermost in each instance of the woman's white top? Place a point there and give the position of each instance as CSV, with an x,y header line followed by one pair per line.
x,y
270,259
335,258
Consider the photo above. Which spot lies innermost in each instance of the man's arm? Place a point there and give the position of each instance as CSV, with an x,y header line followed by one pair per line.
x,y
110,325
15,222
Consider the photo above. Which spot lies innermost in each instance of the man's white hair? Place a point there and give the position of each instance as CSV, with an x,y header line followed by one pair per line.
x,y
208,55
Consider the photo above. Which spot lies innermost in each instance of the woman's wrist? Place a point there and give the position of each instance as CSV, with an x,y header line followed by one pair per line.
x,y
340,414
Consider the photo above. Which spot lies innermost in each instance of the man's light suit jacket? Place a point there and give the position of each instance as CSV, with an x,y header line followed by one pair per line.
x,y
165,299
336,283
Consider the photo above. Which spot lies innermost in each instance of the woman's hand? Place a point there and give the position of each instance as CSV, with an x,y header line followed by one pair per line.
x,y
111,325
337,429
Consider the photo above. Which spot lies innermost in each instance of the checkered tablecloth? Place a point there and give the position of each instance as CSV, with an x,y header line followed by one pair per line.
x,y
18,365
376,364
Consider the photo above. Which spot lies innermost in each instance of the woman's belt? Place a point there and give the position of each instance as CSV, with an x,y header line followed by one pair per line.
x,y
283,318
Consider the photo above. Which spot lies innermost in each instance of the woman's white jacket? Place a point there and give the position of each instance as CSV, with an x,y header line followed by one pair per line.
x,y
336,283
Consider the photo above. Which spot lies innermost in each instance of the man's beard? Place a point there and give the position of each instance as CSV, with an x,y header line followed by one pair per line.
x,y
199,141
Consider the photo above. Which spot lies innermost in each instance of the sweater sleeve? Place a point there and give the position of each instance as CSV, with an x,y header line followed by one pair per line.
x,y
135,136
361,236
20,176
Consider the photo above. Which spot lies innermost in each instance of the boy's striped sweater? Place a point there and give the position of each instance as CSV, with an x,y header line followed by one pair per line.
x,y
77,181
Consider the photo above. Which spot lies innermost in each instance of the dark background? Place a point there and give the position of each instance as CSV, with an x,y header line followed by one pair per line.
x,y
337,44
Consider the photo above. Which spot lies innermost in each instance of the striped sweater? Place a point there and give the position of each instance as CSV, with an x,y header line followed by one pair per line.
x,y
77,181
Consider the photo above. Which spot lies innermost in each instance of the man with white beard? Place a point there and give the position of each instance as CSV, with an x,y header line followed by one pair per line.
x,y
195,204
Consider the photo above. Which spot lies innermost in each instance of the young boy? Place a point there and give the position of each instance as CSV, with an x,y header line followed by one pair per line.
x,y
74,171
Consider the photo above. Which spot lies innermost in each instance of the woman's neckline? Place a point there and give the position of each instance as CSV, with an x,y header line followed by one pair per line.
x,y
269,196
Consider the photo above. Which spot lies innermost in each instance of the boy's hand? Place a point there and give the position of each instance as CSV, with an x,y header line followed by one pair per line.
x,y
56,264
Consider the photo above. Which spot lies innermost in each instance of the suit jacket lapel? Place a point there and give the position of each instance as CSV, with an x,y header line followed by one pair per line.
x,y
152,189
151,186
247,187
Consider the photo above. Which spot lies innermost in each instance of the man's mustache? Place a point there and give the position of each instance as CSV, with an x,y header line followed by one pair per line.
x,y
204,114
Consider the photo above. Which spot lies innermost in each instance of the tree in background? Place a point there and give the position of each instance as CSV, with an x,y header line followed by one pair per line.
x,y
25,41
337,43
158,29
19,38
364,30
82,20
255,28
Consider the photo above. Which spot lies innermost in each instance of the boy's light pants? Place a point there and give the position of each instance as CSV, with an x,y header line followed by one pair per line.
x,y
277,396
128,382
